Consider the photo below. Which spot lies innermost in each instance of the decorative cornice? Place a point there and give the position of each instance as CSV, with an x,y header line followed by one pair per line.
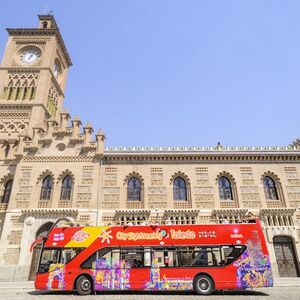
x,y
204,157
277,211
49,212
43,159
229,211
240,149
42,32
129,212
179,212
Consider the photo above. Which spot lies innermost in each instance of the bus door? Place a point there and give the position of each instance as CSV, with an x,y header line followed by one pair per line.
x,y
165,268
136,264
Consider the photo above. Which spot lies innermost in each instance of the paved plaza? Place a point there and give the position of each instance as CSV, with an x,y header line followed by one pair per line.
x,y
274,293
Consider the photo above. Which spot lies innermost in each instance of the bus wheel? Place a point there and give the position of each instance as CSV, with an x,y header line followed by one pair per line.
x,y
84,285
203,285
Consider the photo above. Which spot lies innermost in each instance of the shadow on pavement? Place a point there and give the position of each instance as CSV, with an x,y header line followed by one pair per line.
x,y
183,293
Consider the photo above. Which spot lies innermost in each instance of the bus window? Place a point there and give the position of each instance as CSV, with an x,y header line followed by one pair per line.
x,y
48,257
159,258
115,257
165,257
134,257
88,263
231,253
147,257
69,253
199,256
103,259
199,259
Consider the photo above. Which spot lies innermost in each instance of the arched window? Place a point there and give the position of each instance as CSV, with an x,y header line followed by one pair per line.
x,y
7,191
134,189
66,188
270,188
179,189
225,189
46,188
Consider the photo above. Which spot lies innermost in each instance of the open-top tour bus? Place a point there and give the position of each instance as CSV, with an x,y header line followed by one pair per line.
x,y
203,258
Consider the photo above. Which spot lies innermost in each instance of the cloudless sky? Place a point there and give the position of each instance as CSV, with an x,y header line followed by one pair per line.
x,y
179,73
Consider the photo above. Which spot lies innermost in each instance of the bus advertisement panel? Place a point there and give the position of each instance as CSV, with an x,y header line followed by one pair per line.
x,y
160,257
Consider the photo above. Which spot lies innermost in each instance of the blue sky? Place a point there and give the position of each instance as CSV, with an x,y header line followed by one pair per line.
x,y
179,73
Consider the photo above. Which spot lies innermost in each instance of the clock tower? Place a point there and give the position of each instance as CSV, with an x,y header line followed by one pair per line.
x,y
33,77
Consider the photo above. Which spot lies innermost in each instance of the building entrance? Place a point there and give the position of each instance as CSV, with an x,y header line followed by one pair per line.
x,y
285,256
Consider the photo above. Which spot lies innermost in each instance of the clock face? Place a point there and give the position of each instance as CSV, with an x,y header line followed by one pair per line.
x,y
30,55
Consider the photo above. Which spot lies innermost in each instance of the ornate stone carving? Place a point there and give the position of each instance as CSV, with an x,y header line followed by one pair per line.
x,y
111,176
252,204
65,173
21,86
203,190
133,174
84,196
111,197
22,204
110,205
156,179
157,190
204,197
180,174
205,204
11,256
14,238
110,182
202,179
157,201
111,190
111,170
53,99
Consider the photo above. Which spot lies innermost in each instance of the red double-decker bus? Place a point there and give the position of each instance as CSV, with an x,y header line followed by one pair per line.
x,y
203,258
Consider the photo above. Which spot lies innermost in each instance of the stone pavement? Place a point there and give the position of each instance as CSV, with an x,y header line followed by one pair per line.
x,y
278,282
275,293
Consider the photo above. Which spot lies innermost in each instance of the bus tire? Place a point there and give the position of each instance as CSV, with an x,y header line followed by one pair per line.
x,y
84,285
203,285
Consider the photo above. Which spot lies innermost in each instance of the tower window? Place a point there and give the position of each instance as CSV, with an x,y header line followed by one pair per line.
x,y
6,151
225,188
134,189
10,91
7,191
179,189
46,188
270,188
66,188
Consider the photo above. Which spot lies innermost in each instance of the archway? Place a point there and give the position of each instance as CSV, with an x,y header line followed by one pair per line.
x,y
285,256
42,231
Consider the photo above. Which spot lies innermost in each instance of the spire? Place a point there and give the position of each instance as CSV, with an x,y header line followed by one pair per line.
x,y
87,130
100,139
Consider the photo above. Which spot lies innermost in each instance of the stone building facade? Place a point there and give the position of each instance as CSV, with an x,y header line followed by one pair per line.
x,y
51,166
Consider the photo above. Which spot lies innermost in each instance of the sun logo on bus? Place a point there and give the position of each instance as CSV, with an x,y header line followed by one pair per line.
x,y
105,236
